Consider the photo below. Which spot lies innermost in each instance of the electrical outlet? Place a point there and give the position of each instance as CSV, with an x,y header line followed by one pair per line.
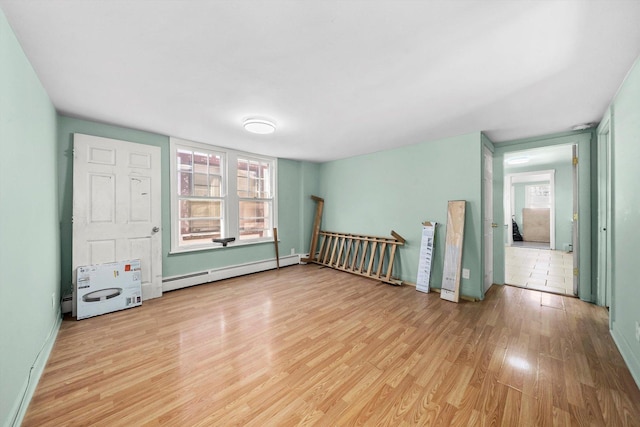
x,y
637,331
53,300
465,273
293,251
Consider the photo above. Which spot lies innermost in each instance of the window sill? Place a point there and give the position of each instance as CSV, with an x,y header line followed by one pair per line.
x,y
217,246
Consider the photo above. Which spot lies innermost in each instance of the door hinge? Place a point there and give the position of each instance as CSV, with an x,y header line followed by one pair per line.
x,y
575,216
575,272
575,161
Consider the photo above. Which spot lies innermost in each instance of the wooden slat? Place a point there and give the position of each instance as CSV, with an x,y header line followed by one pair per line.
x,y
346,263
383,248
392,256
338,263
327,248
354,261
336,240
372,258
365,247
320,250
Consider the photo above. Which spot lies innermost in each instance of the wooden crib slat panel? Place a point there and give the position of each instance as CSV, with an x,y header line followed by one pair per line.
x,y
357,254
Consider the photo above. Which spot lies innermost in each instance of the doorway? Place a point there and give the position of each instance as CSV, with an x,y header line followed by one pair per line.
x,y
116,207
539,202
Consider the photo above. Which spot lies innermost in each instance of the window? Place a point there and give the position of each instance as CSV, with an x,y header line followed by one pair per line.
x,y
538,196
255,198
219,193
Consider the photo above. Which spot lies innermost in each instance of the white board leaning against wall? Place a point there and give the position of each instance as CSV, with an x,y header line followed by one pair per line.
x,y
426,256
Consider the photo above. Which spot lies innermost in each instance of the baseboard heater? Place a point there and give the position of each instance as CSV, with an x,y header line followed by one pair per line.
x,y
198,278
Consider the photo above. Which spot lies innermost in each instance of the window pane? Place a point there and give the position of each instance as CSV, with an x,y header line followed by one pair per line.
x,y
215,164
254,179
185,160
200,184
190,208
215,185
199,174
200,162
184,183
255,219
199,231
200,221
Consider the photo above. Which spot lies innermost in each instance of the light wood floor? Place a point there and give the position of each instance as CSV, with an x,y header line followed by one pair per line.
x,y
308,345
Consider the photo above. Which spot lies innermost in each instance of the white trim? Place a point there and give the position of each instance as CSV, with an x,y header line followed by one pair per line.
x,y
197,278
236,243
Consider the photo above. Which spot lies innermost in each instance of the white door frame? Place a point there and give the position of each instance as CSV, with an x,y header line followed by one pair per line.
x,y
509,203
604,214
117,207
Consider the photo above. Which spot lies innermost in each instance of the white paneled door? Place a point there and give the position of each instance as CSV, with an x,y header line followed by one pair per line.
x,y
116,207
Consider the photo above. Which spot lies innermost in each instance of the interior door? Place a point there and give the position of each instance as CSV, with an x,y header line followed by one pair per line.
x,y
576,237
116,207
489,225
604,207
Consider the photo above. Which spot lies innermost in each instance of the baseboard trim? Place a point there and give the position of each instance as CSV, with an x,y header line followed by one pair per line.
x,y
198,278
22,403
627,354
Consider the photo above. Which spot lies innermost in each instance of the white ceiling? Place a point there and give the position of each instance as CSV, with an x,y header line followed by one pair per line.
x,y
340,78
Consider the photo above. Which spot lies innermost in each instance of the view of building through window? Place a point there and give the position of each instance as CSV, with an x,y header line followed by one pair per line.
x,y
254,194
220,193
201,203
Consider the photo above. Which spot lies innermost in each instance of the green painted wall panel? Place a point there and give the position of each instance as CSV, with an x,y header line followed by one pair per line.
x,y
291,196
29,234
625,307
310,173
399,189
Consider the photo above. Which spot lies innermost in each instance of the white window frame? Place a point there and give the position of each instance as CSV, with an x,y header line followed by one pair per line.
x,y
231,201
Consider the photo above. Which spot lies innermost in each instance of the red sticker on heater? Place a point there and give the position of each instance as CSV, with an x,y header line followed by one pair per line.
x,y
127,267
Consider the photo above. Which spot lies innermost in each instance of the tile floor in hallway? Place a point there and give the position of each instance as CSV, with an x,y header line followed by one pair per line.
x,y
540,269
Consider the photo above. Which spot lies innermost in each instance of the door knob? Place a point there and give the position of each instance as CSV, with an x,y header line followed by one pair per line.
x,y
155,229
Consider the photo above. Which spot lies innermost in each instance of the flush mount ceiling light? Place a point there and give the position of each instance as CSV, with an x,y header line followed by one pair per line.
x,y
259,126
518,160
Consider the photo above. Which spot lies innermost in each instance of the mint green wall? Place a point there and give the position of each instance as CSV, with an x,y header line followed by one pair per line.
x,y
310,173
584,140
625,305
293,183
29,235
399,189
